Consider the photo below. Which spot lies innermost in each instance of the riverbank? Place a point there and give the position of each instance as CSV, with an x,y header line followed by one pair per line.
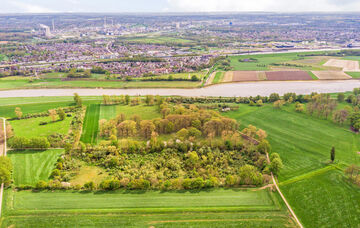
x,y
226,90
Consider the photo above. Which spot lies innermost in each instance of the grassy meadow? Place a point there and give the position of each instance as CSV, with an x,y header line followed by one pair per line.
x,y
91,124
31,166
332,201
58,83
318,193
218,77
303,142
32,128
264,61
219,207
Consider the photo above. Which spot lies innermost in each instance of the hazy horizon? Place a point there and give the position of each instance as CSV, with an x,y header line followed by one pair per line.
x,y
177,6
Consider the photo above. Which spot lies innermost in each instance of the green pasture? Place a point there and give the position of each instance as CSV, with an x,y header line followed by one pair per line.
x,y
303,142
218,77
354,74
220,207
31,166
32,128
325,200
91,124
57,83
264,61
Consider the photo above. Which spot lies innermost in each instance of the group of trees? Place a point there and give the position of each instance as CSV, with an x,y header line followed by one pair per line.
x,y
19,142
185,122
5,170
79,73
202,149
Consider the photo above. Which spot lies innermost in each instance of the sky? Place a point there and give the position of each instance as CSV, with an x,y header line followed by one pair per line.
x,y
103,6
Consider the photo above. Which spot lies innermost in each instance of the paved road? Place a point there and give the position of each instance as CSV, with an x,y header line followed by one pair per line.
x,y
226,90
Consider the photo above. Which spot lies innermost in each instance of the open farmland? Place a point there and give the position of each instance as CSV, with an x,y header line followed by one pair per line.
x,y
345,65
292,135
331,75
240,76
217,77
91,124
332,201
228,77
287,75
219,207
318,193
32,166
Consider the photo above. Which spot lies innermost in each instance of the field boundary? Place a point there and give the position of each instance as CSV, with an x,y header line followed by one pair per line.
x,y
286,202
283,197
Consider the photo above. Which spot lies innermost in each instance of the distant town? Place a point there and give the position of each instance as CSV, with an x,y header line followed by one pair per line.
x,y
155,44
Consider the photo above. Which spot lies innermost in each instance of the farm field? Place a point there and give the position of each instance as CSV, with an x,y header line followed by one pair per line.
x,y
245,76
57,83
91,124
223,207
353,74
333,201
30,166
38,104
287,75
292,135
32,128
263,62
218,77
345,65
318,193
331,75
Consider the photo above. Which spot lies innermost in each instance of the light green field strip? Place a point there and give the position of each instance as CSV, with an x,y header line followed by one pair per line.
x,y
91,124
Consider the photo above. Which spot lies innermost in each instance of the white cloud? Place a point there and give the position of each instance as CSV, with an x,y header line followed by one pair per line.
x,y
262,5
31,8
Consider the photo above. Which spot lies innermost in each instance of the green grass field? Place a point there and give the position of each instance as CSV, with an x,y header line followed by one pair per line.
x,y
38,104
91,124
319,195
331,201
303,142
31,166
263,61
313,76
31,128
57,83
354,74
218,207
218,77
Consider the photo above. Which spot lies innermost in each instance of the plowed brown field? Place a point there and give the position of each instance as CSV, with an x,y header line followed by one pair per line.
x,y
287,75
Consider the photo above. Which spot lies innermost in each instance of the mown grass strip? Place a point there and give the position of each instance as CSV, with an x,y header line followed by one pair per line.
x,y
91,124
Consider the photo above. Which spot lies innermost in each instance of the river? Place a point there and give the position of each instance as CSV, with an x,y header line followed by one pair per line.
x,y
244,89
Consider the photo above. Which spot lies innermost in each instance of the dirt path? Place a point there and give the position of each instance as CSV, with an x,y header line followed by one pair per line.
x,y
283,197
2,153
